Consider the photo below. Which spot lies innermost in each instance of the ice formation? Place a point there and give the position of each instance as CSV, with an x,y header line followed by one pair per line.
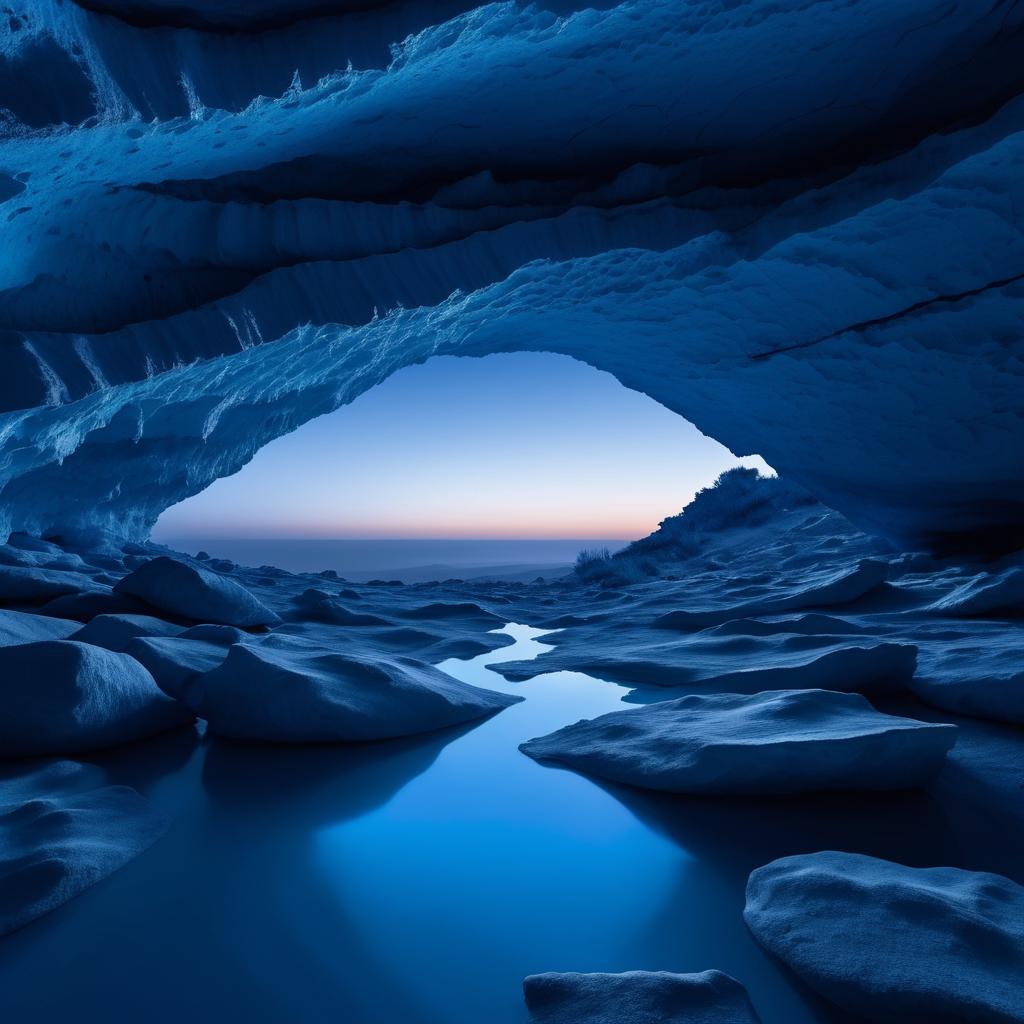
x,y
794,222
638,997
895,944
61,697
177,587
62,829
223,220
287,690
780,741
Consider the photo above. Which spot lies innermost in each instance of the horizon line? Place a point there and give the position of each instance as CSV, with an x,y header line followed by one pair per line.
x,y
225,536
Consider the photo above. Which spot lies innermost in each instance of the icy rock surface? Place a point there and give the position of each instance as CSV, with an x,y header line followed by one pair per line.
x,y
986,594
115,632
175,662
788,741
287,690
638,997
192,592
61,830
37,585
24,628
895,944
60,697
219,222
811,592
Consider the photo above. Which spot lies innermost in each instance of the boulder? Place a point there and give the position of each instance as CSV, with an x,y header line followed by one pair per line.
x,y
195,593
60,697
781,741
291,691
895,944
638,997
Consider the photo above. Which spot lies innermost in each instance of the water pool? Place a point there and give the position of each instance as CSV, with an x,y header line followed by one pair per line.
x,y
418,881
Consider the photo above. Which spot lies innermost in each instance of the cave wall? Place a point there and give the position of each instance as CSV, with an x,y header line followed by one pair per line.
x,y
793,222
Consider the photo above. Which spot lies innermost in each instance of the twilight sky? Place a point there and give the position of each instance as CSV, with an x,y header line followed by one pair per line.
x,y
524,445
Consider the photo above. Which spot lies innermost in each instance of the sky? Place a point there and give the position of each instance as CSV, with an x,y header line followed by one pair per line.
x,y
524,445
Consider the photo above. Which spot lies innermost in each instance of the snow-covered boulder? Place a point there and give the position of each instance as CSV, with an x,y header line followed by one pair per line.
x,y
176,661
63,829
25,628
115,632
196,593
788,741
62,697
895,944
292,691
638,997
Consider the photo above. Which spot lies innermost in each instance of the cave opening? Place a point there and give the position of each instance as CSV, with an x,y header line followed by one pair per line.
x,y
514,460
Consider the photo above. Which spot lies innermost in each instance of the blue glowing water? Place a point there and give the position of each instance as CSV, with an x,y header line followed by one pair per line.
x,y
411,882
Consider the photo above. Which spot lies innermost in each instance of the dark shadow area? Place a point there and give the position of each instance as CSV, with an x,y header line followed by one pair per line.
x,y
253,934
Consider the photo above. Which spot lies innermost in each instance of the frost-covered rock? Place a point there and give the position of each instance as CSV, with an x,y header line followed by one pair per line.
x,y
976,693
895,944
115,632
86,606
24,628
835,588
62,829
638,997
788,741
193,592
62,697
23,583
291,691
176,661
985,594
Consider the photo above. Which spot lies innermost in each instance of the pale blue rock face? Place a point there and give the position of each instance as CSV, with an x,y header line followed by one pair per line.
x,y
638,997
782,741
894,943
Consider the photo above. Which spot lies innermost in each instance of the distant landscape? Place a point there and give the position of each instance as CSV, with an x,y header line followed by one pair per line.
x,y
408,560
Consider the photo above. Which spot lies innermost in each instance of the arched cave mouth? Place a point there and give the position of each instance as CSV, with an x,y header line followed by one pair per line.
x,y
785,719
530,448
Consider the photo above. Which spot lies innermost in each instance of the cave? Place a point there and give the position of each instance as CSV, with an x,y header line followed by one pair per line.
x,y
792,223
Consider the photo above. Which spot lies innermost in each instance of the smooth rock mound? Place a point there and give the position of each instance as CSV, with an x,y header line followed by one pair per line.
x,y
895,944
25,628
789,741
827,590
195,593
23,583
175,662
61,831
638,997
59,696
116,632
878,668
294,692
